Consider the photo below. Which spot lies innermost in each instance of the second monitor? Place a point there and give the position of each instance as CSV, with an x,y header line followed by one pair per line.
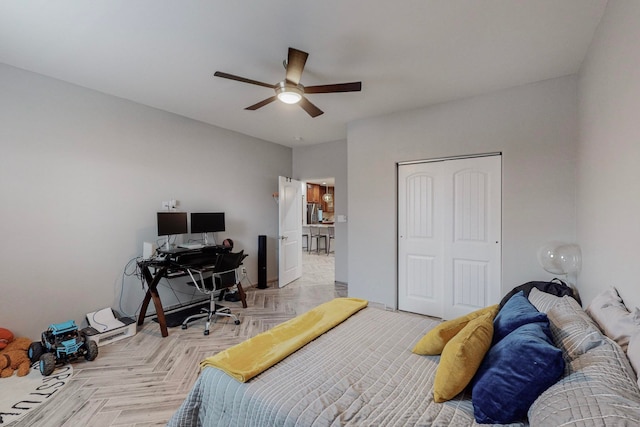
x,y
207,222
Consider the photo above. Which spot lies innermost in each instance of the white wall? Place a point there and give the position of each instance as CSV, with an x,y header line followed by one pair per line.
x,y
609,156
324,161
534,126
82,175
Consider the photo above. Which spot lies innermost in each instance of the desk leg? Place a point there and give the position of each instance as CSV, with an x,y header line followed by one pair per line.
x,y
159,312
152,293
147,297
243,296
143,308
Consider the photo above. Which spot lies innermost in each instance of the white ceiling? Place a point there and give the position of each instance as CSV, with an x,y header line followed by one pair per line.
x,y
407,53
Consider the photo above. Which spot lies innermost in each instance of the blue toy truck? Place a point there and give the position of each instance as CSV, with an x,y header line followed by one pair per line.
x,y
61,343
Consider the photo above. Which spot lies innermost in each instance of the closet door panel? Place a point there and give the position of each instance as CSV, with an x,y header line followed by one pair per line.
x,y
420,240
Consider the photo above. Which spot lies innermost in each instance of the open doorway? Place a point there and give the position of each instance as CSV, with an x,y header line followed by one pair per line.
x,y
318,231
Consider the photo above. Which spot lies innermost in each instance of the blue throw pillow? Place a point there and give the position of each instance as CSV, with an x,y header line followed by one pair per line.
x,y
516,312
514,373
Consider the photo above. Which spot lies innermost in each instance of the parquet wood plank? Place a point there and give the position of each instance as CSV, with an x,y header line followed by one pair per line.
x,y
141,381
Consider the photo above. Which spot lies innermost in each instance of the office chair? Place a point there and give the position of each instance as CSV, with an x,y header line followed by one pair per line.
x,y
224,275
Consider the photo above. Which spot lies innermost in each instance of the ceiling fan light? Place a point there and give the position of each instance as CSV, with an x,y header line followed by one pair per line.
x,y
289,97
289,93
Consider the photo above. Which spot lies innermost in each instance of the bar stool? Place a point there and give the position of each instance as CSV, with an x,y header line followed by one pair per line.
x,y
305,236
331,231
314,233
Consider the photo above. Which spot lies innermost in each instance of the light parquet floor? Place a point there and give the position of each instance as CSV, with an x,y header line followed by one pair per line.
x,y
141,381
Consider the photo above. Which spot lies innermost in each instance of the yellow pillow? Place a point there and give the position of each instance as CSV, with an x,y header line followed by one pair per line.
x,y
461,358
434,341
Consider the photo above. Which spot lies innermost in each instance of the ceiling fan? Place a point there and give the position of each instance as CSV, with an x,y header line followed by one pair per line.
x,y
289,90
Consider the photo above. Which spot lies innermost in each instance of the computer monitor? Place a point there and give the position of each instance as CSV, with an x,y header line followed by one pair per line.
x,y
170,223
207,222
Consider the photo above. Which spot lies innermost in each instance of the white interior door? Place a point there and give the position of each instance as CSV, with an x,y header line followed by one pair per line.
x,y
290,230
449,234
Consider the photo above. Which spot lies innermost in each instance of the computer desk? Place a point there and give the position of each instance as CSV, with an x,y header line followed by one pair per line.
x,y
174,265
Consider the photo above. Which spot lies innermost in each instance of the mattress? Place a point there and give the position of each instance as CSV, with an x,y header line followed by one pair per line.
x,y
360,373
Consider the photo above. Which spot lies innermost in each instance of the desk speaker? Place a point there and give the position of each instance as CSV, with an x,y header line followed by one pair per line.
x,y
262,262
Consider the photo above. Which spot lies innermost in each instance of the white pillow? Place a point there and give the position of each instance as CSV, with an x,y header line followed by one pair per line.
x,y
608,310
606,298
543,301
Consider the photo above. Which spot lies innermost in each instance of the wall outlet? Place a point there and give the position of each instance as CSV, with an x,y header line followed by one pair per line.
x,y
169,205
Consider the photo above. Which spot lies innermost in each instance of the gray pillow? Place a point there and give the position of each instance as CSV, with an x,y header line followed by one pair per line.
x,y
543,301
596,390
572,329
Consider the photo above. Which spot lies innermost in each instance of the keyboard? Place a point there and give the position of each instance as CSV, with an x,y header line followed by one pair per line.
x,y
191,245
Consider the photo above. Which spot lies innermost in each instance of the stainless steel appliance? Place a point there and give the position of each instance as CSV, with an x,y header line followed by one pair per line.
x,y
312,213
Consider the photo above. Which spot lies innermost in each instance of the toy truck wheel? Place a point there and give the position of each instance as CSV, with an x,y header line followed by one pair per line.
x,y
47,364
35,351
92,351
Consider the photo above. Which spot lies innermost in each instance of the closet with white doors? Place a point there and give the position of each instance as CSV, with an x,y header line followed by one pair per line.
x,y
449,235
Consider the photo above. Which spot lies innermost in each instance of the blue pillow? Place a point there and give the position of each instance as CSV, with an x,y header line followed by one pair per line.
x,y
514,373
516,312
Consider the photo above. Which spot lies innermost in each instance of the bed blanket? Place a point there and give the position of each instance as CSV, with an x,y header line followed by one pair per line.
x,y
361,373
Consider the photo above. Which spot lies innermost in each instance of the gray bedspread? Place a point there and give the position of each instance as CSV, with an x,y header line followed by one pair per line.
x,y
361,373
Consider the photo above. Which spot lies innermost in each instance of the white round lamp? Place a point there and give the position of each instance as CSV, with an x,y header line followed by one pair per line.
x,y
561,258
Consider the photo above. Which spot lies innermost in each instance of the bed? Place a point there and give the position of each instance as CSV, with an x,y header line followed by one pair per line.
x,y
363,372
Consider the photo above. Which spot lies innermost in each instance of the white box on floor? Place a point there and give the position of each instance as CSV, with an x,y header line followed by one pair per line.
x,y
128,330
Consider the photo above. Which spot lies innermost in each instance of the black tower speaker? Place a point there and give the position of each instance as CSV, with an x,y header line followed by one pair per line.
x,y
262,262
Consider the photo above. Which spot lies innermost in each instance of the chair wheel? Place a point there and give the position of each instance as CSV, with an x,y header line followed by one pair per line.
x,y
184,326
237,322
206,332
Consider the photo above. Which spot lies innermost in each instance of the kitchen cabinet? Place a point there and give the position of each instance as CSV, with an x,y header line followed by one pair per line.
x,y
313,193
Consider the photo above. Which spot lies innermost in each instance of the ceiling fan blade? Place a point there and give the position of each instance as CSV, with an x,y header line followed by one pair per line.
x,y
242,79
262,103
311,109
339,87
295,64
